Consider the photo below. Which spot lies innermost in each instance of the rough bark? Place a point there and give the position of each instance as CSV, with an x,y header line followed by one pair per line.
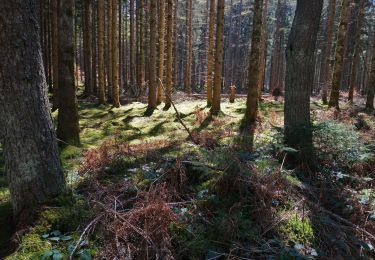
x,y
115,56
30,149
89,87
55,51
188,46
161,50
67,121
299,72
253,77
140,47
169,62
152,65
132,44
326,69
215,109
210,54
371,85
101,74
357,50
339,56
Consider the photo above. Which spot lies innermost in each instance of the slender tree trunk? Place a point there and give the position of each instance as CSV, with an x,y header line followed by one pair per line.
x,y
339,56
210,54
263,49
299,76
176,46
55,52
253,77
215,109
371,85
101,77
132,44
110,51
114,54
357,50
30,149
188,44
152,65
326,69
161,50
168,76
88,48
140,48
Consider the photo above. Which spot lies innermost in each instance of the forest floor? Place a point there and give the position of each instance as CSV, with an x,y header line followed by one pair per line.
x,y
139,187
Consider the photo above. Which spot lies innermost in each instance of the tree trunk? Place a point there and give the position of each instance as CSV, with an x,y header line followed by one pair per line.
x,y
168,76
88,48
326,69
253,78
215,109
210,54
371,85
299,72
357,50
55,52
263,52
140,48
114,53
132,44
161,50
30,149
67,121
339,56
152,65
188,45
101,75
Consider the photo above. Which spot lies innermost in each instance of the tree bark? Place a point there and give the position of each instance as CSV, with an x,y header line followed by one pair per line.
x,y
371,85
253,78
339,56
161,50
168,76
210,54
30,149
152,65
188,45
67,121
115,54
101,72
299,72
357,50
89,88
215,109
55,52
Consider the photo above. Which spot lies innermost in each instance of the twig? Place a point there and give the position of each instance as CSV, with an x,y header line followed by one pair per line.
x,y
87,229
178,114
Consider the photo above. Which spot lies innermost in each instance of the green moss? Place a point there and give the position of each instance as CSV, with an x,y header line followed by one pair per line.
x,y
296,230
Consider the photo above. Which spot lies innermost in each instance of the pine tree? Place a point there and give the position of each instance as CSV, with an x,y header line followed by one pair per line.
x,y
161,50
30,149
188,46
210,54
115,58
339,55
215,109
169,62
101,68
152,64
299,72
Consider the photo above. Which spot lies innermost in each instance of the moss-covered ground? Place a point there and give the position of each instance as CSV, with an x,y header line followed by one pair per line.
x,y
241,204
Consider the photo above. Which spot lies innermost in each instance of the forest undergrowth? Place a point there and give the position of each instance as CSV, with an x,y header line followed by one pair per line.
x,y
140,188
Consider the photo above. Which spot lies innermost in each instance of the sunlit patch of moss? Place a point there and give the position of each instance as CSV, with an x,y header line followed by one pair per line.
x,y
297,230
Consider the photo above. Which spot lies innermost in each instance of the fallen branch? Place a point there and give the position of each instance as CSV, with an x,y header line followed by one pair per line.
x,y
178,115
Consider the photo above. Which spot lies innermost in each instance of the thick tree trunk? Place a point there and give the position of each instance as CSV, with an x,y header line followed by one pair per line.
x,y
67,121
326,69
101,74
161,50
357,50
299,72
30,149
168,76
210,54
215,109
339,56
110,46
140,47
253,78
